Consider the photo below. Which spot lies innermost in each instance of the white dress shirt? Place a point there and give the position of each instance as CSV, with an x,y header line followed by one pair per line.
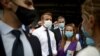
x,y
42,36
89,51
8,40
77,36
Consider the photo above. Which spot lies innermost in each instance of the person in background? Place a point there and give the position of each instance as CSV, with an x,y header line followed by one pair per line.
x,y
69,45
13,40
39,24
91,10
55,25
34,26
60,30
31,28
46,36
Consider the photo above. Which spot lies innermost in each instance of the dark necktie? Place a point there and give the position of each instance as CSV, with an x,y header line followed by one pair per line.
x,y
17,49
49,44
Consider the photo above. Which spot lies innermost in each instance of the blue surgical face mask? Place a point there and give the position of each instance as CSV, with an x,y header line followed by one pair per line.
x,y
61,25
85,32
68,34
89,40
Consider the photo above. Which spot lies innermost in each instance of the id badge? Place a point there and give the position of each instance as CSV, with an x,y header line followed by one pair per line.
x,y
69,53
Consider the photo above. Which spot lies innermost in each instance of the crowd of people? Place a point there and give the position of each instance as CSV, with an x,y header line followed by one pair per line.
x,y
19,36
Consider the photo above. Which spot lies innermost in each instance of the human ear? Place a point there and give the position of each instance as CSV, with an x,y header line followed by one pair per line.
x,y
91,21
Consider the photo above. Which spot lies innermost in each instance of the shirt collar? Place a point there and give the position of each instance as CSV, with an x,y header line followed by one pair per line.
x,y
4,28
43,28
61,29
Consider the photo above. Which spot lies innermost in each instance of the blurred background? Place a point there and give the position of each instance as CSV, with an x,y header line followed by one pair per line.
x,y
70,9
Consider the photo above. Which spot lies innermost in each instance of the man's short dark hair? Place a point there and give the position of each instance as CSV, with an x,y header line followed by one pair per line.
x,y
61,17
46,13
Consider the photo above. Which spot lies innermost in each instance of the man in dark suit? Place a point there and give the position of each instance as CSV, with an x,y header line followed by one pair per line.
x,y
13,40
60,30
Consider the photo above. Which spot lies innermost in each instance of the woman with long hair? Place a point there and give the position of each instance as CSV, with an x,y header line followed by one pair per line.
x,y
69,44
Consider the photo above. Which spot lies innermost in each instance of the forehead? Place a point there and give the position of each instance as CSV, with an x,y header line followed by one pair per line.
x,y
47,16
60,19
69,28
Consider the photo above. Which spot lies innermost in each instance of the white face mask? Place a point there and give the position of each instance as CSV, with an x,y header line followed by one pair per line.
x,y
48,24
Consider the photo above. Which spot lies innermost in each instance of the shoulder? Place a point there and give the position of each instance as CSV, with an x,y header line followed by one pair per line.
x,y
35,39
89,51
56,30
36,31
51,32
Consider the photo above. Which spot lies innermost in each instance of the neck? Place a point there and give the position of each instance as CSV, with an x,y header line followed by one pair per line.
x,y
96,37
69,39
61,28
10,19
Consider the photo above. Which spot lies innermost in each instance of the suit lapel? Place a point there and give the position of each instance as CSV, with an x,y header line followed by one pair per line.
x,y
59,33
35,44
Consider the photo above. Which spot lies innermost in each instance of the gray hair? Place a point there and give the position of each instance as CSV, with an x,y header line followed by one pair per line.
x,y
87,6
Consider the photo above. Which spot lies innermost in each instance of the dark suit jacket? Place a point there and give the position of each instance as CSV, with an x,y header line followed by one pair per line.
x,y
34,41
58,36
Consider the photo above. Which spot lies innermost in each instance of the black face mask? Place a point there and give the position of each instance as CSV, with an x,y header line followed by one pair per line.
x,y
25,15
